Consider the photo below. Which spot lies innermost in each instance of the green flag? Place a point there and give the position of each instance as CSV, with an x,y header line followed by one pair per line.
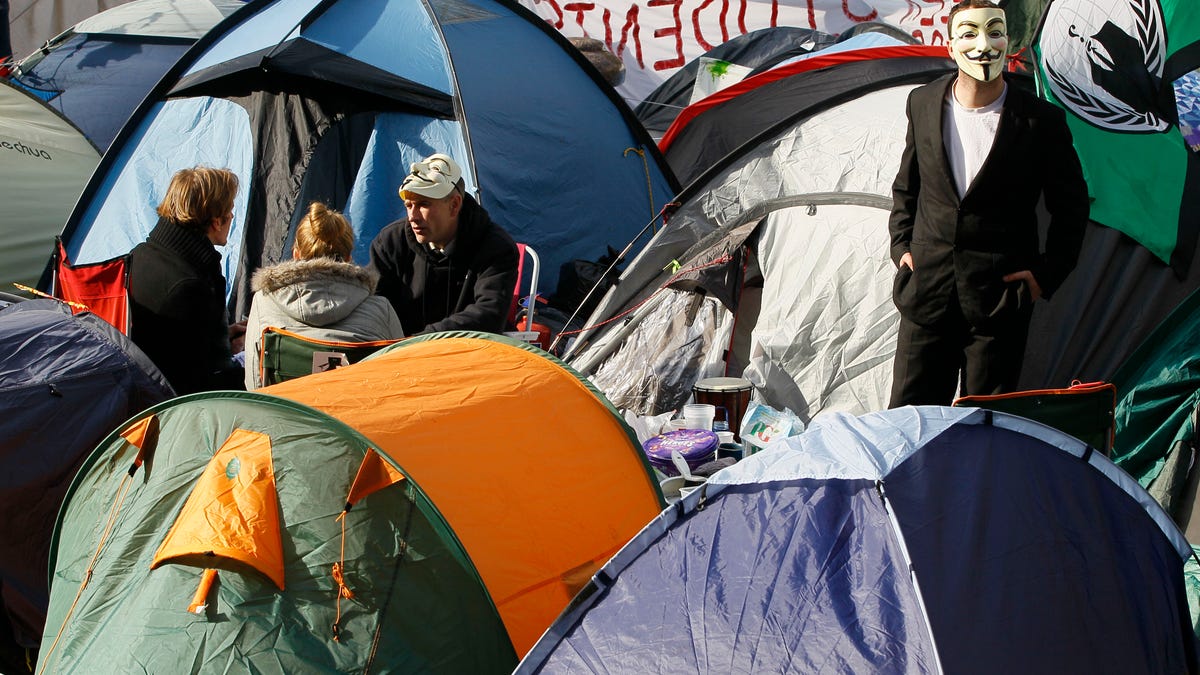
x,y
1115,66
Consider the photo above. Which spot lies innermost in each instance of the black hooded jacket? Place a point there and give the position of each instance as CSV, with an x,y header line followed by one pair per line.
x,y
469,287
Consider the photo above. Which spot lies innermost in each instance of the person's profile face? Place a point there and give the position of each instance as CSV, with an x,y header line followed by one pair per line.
x,y
218,231
433,221
979,41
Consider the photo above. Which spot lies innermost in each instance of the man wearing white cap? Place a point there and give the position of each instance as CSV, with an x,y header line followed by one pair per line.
x,y
447,266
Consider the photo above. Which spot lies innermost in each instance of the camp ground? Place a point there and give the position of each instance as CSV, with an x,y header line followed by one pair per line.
x,y
460,502
403,514
918,540
66,381
335,100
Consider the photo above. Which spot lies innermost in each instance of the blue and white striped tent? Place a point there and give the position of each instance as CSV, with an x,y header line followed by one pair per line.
x,y
332,100
917,540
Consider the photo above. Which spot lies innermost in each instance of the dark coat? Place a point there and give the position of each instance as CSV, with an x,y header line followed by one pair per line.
x,y
177,309
967,246
469,288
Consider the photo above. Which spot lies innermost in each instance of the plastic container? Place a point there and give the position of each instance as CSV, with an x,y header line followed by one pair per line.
x,y
734,450
696,445
699,415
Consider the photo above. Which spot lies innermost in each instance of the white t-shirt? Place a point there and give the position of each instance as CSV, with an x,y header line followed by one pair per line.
x,y
968,134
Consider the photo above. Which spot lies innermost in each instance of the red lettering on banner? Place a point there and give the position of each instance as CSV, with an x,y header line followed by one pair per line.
x,y
631,25
579,8
676,29
705,44
854,17
557,23
916,13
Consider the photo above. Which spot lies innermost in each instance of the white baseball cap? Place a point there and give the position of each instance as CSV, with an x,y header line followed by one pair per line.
x,y
433,177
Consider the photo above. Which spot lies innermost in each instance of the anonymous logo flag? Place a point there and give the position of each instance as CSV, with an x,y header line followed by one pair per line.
x,y
1123,71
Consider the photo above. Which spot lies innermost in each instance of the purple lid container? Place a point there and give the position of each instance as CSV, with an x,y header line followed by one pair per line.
x,y
696,445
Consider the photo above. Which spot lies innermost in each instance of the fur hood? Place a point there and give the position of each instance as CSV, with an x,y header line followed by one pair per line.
x,y
316,292
292,272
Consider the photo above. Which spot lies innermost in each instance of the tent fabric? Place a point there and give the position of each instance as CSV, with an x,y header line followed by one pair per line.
x,y
780,98
100,288
1095,322
537,474
913,540
1159,393
65,382
344,96
45,162
232,513
97,72
756,49
418,605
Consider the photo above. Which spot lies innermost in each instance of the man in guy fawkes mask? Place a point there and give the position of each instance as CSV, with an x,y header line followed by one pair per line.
x,y
964,231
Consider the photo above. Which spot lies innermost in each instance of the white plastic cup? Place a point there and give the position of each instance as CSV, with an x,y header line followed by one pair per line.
x,y
699,415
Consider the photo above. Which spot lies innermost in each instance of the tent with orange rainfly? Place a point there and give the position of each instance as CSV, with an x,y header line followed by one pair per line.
x,y
430,509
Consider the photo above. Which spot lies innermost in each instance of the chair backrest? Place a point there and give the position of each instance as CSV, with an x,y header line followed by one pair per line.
x,y
524,250
1086,411
102,288
284,355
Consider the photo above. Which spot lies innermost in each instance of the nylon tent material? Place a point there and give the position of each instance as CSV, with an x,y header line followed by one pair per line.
x,y
333,100
415,603
917,540
65,382
763,47
45,162
538,476
784,94
1159,388
97,72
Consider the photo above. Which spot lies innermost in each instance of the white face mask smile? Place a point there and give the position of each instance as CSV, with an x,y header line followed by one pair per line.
x,y
979,41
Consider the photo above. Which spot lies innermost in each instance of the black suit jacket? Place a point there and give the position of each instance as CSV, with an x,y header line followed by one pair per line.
x,y
967,245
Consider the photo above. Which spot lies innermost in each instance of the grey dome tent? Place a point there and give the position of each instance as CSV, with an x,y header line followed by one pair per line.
x,y
775,265
66,381
917,540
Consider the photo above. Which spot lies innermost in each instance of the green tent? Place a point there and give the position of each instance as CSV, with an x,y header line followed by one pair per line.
x,y
1159,391
256,488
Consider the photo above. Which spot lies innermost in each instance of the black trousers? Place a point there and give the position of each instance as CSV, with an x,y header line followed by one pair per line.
x,y
932,361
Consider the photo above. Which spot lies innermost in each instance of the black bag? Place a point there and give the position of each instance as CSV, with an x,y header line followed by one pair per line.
x,y
577,277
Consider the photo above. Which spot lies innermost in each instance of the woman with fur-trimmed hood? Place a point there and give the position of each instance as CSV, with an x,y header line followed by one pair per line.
x,y
318,293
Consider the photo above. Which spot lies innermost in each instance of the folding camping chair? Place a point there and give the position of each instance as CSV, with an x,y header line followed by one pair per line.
x,y
284,355
101,288
526,329
1085,411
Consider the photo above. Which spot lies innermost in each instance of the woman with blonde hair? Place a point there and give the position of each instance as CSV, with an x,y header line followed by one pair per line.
x,y
319,293
176,289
